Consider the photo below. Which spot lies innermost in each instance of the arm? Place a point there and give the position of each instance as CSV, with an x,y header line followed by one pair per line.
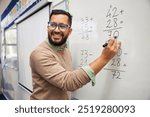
x,y
46,67
107,54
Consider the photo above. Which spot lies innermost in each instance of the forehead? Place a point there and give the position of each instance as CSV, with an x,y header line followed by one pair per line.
x,y
59,18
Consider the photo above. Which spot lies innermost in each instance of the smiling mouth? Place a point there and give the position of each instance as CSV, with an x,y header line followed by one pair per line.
x,y
57,35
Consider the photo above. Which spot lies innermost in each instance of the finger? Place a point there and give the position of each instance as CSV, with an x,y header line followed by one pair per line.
x,y
111,42
117,45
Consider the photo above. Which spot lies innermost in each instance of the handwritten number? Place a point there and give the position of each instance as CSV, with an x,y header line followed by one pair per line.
x,y
108,24
115,12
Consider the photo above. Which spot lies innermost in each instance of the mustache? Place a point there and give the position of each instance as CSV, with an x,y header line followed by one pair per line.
x,y
58,33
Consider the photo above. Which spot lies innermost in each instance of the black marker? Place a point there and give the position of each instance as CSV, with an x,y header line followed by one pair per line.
x,y
104,45
115,37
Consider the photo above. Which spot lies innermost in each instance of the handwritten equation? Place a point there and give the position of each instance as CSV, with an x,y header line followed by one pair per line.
x,y
114,24
86,27
84,57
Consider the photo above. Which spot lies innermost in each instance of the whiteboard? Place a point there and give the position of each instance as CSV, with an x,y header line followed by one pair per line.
x,y
30,33
60,4
127,75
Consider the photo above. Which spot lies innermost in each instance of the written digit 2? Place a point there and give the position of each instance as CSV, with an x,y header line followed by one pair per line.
x,y
116,74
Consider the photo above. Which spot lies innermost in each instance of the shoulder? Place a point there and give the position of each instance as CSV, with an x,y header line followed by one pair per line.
x,y
41,50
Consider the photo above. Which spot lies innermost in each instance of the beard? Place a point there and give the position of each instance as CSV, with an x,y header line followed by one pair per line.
x,y
55,43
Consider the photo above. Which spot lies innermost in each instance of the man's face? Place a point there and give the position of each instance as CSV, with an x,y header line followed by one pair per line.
x,y
58,37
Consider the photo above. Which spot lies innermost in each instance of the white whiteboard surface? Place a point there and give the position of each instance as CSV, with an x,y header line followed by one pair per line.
x,y
30,32
127,76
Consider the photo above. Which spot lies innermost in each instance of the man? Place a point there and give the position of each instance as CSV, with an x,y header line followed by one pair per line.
x,y
50,62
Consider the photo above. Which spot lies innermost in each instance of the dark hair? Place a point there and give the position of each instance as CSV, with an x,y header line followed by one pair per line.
x,y
58,11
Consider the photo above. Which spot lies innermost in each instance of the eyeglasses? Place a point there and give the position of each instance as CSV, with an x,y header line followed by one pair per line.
x,y
62,27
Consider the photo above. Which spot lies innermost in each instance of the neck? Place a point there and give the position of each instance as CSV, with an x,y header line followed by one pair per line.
x,y
58,48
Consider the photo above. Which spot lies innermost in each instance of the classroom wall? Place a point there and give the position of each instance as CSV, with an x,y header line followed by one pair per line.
x,y
3,5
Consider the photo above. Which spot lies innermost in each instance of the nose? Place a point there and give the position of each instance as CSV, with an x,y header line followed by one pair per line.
x,y
57,29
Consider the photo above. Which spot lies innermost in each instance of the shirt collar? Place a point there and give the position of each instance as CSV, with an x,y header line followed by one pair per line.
x,y
57,48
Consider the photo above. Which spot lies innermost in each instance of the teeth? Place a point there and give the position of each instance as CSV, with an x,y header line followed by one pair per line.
x,y
57,37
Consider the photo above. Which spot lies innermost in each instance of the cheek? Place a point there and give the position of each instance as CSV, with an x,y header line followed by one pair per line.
x,y
66,33
49,32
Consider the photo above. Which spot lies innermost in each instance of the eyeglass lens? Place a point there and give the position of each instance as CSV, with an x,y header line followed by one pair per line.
x,y
61,27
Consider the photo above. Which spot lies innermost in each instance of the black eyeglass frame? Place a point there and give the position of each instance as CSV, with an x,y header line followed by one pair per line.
x,y
62,27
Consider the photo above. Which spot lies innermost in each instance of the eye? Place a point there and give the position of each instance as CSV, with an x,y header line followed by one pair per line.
x,y
52,24
63,26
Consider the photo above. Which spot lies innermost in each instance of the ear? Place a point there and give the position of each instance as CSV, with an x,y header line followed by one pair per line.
x,y
70,31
